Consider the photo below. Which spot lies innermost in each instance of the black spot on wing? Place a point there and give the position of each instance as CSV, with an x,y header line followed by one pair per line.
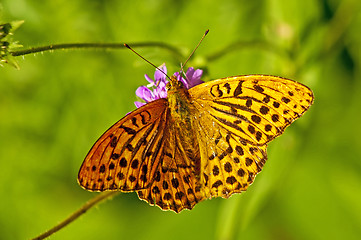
x,y
238,89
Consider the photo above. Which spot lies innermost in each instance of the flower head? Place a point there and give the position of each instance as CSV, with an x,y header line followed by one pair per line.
x,y
7,44
157,88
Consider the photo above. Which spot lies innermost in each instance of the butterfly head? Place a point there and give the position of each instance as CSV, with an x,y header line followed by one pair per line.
x,y
174,84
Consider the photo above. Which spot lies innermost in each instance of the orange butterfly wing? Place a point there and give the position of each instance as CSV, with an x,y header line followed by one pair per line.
x,y
176,187
237,117
127,155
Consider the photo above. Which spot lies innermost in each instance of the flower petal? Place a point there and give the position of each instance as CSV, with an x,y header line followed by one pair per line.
x,y
139,104
148,78
194,77
190,72
158,75
144,93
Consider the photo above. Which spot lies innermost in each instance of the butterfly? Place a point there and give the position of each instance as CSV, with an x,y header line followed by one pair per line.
x,y
199,143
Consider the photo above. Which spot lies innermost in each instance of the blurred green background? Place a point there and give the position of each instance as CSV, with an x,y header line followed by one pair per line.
x,y
56,106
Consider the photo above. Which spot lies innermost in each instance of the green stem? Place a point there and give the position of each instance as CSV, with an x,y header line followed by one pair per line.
x,y
97,199
175,51
246,45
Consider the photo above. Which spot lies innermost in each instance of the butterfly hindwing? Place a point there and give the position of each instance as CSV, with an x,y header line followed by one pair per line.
x,y
175,186
229,164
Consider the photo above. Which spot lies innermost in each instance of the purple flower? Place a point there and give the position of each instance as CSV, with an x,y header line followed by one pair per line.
x,y
193,77
157,88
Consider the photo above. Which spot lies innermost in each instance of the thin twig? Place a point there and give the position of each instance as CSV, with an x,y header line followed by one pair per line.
x,y
97,199
246,45
62,46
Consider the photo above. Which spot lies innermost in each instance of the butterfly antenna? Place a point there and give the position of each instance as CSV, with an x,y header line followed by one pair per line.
x,y
205,34
127,46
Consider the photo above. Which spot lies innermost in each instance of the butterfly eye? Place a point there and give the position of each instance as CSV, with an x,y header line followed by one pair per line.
x,y
180,84
167,86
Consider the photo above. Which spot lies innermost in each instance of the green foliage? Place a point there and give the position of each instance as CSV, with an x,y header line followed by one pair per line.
x,y
56,106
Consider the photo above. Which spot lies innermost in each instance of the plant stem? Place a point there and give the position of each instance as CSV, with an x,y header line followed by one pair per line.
x,y
97,199
246,45
63,46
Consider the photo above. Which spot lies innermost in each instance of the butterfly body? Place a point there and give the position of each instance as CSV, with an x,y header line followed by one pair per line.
x,y
204,142
183,120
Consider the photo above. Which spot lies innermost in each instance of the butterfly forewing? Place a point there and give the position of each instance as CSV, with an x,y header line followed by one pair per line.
x,y
127,155
255,107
